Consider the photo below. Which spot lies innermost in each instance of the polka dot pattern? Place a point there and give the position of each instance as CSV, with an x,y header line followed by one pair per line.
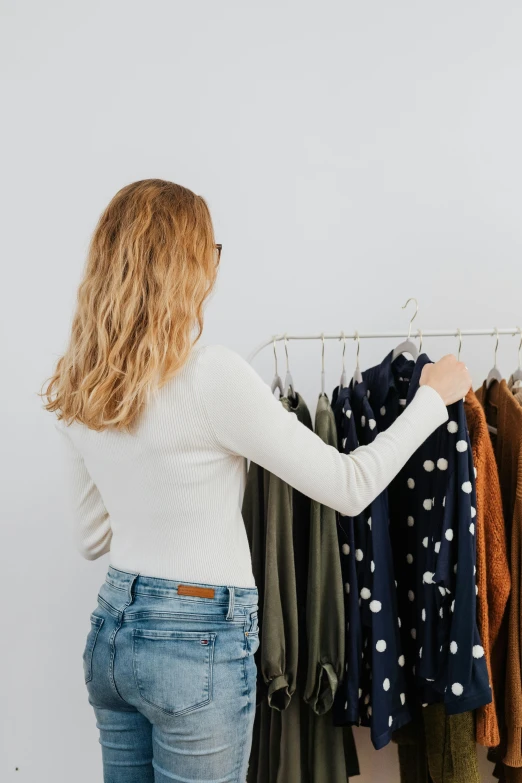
x,y
427,519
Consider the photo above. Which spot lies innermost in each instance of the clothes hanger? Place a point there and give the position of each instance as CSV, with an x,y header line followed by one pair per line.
x,y
357,376
342,383
322,367
289,383
459,335
494,373
419,335
408,346
277,383
517,375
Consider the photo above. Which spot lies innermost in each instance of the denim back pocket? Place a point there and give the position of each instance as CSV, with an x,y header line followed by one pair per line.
x,y
173,669
96,624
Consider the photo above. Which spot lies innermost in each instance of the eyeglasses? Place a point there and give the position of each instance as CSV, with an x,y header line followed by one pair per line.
x,y
219,248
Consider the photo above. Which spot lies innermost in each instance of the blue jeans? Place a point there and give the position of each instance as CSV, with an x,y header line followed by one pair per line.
x,y
170,673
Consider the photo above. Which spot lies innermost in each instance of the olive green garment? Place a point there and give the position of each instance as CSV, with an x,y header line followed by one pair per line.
x,y
325,599
287,746
451,746
280,639
442,745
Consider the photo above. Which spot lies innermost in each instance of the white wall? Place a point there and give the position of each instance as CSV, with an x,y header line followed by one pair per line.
x,y
353,155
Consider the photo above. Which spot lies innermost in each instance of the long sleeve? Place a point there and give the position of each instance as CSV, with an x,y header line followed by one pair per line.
x,y
92,526
246,419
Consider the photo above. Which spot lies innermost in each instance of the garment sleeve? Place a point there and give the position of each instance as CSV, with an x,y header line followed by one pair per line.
x,y
245,418
468,684
325,619
92,526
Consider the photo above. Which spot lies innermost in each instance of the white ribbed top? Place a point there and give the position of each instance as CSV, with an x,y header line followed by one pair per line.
x,y
166,499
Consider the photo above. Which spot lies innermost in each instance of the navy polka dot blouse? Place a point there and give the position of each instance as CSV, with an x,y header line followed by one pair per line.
x,y
408,565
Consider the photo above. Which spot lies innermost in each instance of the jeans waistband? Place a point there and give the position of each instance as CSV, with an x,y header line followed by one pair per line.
x,y
168,588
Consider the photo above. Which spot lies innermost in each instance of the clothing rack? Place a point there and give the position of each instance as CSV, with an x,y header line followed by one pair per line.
x,y
458,333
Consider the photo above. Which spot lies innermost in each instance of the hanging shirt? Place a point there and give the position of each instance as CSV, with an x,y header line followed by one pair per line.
x,y
373,691
325,623
432,511
346,704
384,706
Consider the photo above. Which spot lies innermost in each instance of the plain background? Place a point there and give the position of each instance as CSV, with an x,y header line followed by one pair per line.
x,y
353,155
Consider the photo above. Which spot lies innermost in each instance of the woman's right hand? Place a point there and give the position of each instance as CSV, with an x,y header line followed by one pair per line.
x,y
449,377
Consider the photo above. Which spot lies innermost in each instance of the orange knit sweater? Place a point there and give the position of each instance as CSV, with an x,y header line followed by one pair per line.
x,y
505,413
493,577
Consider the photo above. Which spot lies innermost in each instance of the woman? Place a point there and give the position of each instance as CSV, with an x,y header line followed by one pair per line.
x,y
157,427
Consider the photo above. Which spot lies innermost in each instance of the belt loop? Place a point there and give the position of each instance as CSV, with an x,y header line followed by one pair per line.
x,y
231,601
130,591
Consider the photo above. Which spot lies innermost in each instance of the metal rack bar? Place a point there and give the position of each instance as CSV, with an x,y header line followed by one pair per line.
x,y
383,335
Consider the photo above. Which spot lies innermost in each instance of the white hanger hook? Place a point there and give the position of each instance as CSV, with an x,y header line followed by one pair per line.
x,y
419,335
286,352
496,345
356,337
414,316
343,338
275,353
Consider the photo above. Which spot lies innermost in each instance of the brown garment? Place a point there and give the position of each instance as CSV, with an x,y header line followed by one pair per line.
x,y
493,576
505,413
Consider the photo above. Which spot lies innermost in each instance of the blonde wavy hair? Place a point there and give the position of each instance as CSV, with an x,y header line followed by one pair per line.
x,y
152,262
